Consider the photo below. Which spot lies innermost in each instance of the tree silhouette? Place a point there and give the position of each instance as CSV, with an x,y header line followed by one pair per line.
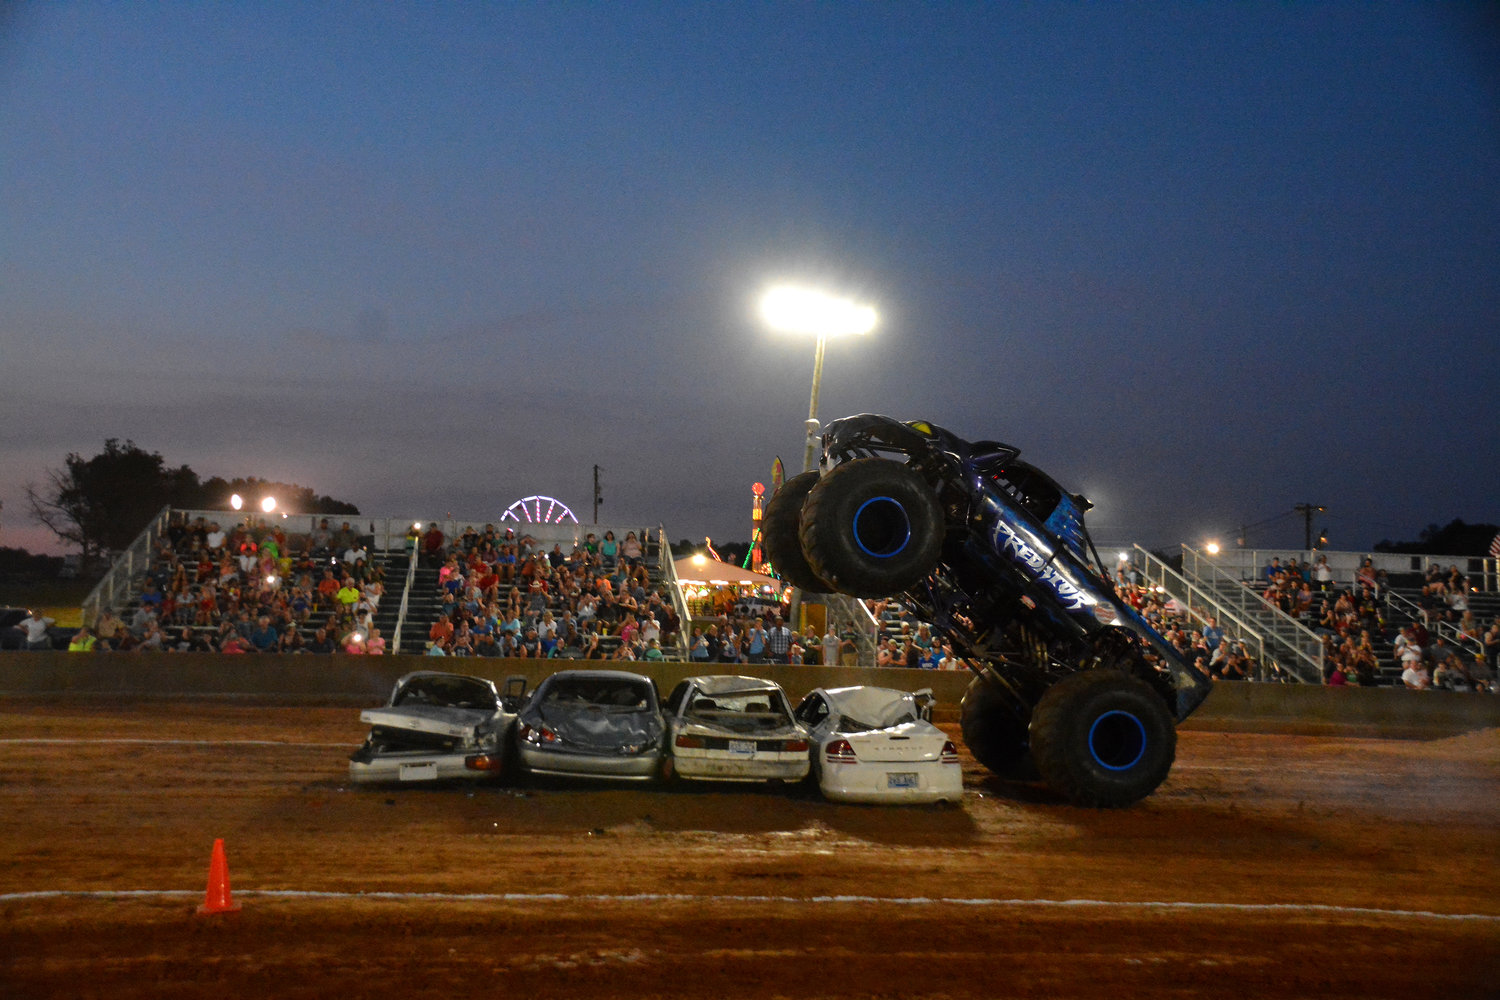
x,y
100,504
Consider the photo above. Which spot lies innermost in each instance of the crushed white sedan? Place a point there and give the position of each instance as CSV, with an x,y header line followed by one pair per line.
x,y
437,726
733,729
878,745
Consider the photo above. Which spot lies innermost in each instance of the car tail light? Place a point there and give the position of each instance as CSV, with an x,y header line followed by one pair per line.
x,y
796,746
482,762
840,752
950,753
538,735
689,742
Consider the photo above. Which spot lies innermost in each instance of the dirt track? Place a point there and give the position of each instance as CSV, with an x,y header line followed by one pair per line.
x,y
1268,865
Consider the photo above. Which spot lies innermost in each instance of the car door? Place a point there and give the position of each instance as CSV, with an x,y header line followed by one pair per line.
x,y
815,716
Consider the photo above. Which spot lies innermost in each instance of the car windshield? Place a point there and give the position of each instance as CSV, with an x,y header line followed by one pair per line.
x,y
741,711
622,694
447,691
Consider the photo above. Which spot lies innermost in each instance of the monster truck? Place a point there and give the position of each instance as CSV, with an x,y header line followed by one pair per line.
x,y
1071,684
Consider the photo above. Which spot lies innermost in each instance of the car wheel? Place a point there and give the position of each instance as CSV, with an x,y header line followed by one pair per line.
x,y
1103,738
780,540
993,732
872,527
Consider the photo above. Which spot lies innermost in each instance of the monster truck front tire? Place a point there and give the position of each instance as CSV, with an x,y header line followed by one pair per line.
x,y
993,732
1103,738
781,527
872,527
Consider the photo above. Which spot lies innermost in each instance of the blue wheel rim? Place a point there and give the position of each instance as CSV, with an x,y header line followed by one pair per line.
x,y
1117,740
881,527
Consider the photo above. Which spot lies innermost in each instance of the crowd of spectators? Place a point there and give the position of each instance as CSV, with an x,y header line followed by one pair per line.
x,y
1355,624
509,596
250,588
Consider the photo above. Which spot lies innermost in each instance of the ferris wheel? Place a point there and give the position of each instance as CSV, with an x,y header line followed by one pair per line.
x,y
539,510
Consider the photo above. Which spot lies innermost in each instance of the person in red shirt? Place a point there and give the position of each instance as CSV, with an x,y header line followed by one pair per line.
x,y
441,630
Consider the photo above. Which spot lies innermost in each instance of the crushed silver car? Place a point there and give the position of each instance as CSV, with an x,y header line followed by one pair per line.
x,y
592,723
437,726
733,729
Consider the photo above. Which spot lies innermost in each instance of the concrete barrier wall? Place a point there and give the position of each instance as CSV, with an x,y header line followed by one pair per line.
x,y
367,680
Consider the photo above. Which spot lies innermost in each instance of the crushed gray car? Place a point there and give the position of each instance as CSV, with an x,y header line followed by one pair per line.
x,y
592,723
437,726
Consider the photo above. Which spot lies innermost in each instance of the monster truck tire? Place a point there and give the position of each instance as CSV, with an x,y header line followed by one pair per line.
x,y
872,527
780,538
1103,738
993,734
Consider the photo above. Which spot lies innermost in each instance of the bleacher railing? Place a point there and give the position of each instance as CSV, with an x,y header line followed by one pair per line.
x,y
1199,603
411,576
117,584
679,602
1472,645
1294,646
1250,564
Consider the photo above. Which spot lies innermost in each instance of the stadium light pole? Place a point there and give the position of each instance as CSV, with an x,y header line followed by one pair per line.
x,y
791,309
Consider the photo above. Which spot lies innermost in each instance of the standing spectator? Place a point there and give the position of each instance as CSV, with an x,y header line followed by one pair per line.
x,y
432,545
848,648
755,650
830,646
36,626
778,642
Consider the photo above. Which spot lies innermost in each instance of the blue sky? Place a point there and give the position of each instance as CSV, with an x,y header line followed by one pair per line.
x,y
1200,261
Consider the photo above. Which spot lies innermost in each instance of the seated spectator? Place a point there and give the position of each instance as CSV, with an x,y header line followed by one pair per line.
x,y
264,636
233,642
320,643
348,595
1416,677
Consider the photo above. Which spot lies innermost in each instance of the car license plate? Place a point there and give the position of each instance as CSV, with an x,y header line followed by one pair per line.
x,y
741,746
419,772
901,779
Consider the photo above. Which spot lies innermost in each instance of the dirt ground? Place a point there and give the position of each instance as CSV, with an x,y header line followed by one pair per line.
x,y
1284,865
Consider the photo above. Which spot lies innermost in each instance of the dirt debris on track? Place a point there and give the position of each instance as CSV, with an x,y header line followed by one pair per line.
x,y
1267,865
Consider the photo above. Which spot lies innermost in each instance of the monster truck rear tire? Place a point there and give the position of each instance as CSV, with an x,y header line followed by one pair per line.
x,y
781,529
1103,738
993,733
872,527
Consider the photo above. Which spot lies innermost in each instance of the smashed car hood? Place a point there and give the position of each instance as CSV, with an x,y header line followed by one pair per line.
x,y
593,726
438,720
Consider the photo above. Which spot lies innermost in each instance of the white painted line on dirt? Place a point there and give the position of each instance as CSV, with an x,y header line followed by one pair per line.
x,y
60,741
667,897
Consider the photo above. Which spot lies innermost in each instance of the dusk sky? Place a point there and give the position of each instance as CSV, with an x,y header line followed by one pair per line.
x,y
1199,261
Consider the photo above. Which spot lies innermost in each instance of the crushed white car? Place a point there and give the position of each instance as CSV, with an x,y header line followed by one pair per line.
x,y
437,726
878,745
733,729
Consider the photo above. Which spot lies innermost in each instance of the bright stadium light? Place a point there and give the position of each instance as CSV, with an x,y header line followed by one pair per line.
x,y
791,309
268,504
236,501
805,310
1212,548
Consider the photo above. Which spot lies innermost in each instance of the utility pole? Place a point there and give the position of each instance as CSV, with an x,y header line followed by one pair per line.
x,y
1307,511
597,498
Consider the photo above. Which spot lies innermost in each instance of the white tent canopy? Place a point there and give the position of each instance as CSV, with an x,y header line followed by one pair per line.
x,y
700,569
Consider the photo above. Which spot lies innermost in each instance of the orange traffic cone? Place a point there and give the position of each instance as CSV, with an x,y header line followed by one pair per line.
x,y
218,899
